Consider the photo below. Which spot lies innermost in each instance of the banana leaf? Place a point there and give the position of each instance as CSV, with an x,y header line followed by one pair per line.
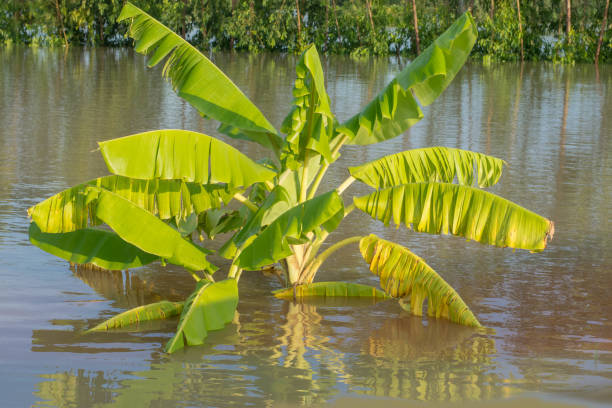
x,y
183,155
273,244
142,229
210,307
310,122
330,289
440,208
395,109
430,164
403,274
196,79
69,210
104,249
154,311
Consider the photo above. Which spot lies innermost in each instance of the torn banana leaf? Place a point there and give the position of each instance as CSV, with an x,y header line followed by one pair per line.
x,y
440,208
404,275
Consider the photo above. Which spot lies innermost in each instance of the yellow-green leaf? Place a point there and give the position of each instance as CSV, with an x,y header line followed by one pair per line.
x,y
430,164
210,307
440,208
330,289
196,79
142,229
183,155
403,274
395,109
154,311
71,209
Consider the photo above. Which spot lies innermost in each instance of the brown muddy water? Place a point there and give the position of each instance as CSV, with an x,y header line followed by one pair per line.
x,y
550,334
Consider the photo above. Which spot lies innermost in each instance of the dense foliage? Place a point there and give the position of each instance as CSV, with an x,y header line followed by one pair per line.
x,y
359,27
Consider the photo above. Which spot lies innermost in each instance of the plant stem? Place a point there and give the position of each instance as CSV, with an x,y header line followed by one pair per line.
x,y
318,261
304,180
246,202
323,170
194,275
317,181
345,184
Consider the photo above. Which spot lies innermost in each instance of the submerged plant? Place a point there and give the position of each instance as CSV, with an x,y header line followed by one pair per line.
x,y
168,185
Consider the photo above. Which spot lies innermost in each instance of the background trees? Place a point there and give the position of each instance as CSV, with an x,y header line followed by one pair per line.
x,y
560,30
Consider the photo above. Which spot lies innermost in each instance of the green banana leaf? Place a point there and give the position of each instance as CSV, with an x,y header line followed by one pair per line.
x,y
154,311
395,109
196,79
330,289
403,274
309,124
142,229
184,155
69,210
210,307
275,204
459,210
430,164
104,249
324,211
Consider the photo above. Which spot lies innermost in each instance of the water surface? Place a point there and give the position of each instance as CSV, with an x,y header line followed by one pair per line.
x,y
549,314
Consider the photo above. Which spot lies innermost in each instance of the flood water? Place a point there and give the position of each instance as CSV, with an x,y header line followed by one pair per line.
x,y
548,315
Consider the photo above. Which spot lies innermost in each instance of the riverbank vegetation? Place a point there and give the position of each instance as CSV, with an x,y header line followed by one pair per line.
x,y
554,30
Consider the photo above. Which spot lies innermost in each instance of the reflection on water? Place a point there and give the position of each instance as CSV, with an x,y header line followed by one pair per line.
x,y
549,313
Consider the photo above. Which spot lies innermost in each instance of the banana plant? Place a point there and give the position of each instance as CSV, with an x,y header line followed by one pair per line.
x,y
167,186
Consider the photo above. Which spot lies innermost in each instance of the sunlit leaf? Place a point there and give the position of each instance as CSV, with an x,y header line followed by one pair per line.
x,y
439,208
309,123
154,311
210,307
70,209
330,289
182,155
430,164
395,109
403,274
196,79
142,229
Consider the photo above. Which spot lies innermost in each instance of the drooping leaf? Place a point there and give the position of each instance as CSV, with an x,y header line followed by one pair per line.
x,y
440,208
309,124
441,164
403,274
395,109
104,249
69,210
182,155
154,311
142,229
330,289
196,79
210,307
324,211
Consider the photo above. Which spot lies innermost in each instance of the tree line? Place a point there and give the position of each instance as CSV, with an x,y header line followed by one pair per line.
x,y
556,30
